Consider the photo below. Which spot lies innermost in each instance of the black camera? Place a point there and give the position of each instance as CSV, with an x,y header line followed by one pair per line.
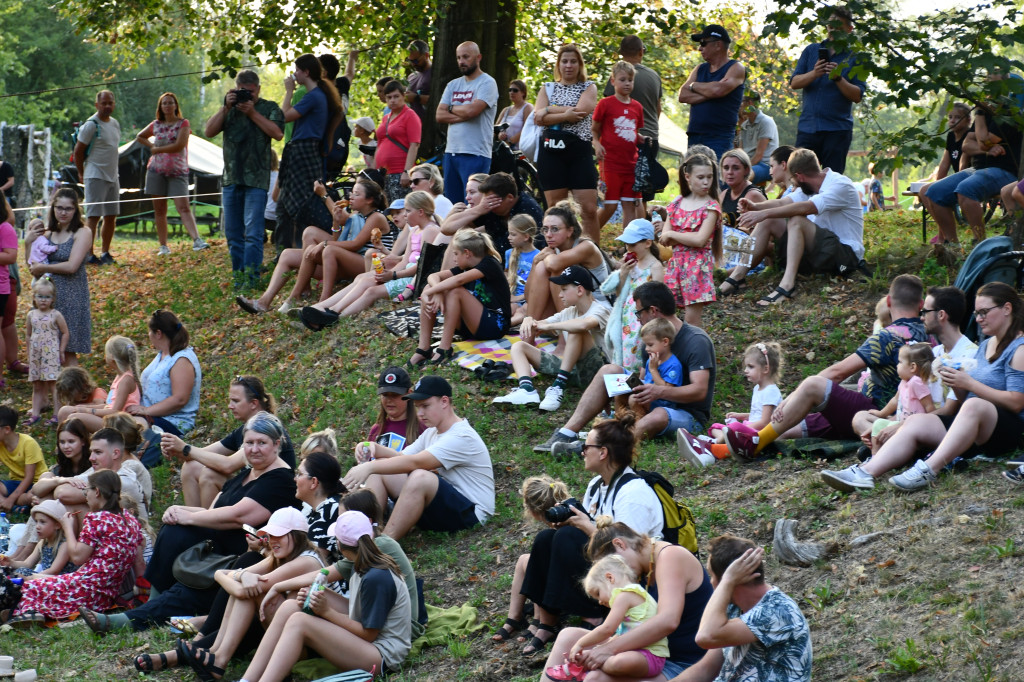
x,y
242,95
562,511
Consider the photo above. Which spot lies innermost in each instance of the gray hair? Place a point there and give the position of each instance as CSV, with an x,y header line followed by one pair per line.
x,y
267,424
247,77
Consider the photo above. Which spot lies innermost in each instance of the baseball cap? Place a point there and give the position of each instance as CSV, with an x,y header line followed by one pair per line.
x,y
430,387
637,231
712,31
284,521
397,205
366,123
52,508
351,526
393,380
575,274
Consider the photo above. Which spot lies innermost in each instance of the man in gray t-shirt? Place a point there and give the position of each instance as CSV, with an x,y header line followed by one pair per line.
x,y
468,107
96,161
759,136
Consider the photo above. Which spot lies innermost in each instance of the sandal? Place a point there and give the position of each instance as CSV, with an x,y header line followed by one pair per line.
x,y
737,287
52,421
504,634
182,626
424,358
96,621
144,663
316,320
485,367
537,644
32,420
529,633
442,356
17,366
776,297
203,663
249,305
27,620
501,372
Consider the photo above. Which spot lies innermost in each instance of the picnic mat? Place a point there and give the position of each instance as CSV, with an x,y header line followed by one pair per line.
x,y
405,323
442,625
471,354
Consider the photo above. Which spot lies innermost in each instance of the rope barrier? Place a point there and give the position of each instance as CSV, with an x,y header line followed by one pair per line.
x,y
109,83
123,201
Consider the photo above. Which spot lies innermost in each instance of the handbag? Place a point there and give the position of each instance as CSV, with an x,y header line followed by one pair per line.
x,y
196,565
529,139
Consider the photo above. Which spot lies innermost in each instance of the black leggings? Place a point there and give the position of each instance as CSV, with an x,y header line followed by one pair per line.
x,y
554,573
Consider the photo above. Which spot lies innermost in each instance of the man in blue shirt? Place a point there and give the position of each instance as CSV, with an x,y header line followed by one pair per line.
x,y
826,121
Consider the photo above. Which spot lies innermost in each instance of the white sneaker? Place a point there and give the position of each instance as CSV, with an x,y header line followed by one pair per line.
x,y
163,251
198,244
849,480
552,399
519,396
286,306
917,477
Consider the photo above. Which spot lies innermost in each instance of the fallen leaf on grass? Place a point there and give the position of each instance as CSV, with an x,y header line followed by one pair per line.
x,y
886,564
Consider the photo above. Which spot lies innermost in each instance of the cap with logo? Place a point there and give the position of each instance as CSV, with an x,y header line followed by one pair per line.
x,y
575,274
394,380
712,32
430,387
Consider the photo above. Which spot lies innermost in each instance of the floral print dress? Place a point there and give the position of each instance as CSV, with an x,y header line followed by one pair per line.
x,y
630,324
689,274
95,585
43,346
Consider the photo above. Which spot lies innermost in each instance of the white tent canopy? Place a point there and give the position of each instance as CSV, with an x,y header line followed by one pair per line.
x,y
671,138
203,156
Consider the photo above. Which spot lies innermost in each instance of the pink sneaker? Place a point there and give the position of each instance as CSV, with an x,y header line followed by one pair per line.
x,y
566,671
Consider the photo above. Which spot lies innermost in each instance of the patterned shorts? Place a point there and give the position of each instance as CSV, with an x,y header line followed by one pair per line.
x,y
584,371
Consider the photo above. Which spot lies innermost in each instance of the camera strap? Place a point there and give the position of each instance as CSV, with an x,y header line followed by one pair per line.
x,y
613,486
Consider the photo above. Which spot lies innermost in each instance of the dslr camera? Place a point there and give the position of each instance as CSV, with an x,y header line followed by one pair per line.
x,y
562,511
242,95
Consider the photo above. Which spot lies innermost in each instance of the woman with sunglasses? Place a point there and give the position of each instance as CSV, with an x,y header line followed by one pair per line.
x,y
987,416
205,469
558,561
514,114
427,177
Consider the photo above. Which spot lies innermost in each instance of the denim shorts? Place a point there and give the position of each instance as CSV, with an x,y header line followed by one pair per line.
x,y
985,184
679,418
943,192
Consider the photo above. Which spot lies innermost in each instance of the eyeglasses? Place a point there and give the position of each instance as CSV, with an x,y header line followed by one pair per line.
x,y
588,445
983,313
925,311
549,230
63,208
641,311
300,474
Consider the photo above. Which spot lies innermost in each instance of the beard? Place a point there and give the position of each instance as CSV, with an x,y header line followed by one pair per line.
x,y
806,188
467,69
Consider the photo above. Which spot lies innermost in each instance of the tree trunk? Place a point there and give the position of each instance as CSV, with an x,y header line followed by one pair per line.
x,y
492,26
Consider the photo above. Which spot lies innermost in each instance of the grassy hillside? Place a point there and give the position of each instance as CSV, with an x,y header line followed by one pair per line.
x,y
936,595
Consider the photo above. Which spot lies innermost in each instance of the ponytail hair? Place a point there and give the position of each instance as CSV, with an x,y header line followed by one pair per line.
x,y
524,224
325,469
255,390
696,161
618,436
368,556
125,355
168,324
309,62
600,544
477,243
567,212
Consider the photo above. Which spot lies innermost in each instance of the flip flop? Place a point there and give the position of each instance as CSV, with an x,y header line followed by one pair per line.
x,y
775,297
182,626
32,420
316,320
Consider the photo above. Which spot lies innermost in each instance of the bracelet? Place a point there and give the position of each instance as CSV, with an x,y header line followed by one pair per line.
x,y
324,198
394,275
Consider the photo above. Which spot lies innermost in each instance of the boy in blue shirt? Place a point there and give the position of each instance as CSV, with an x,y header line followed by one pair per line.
x,y
663,368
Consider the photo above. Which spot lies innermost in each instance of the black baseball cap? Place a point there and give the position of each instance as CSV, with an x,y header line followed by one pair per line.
x,y
430,387
713,31
575,274
394,380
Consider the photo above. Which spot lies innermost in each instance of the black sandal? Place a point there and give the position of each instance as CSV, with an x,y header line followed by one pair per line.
x,y
537,644
501,372
424,354
737,287
776,297
442,356
317,320
485,367
503,634
144,663
204,663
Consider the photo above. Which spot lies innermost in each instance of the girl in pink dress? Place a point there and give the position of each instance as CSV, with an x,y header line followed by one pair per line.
x,y
46,333
694,232
104,552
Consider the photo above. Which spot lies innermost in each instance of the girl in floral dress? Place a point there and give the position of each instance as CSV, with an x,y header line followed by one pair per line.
x,y
695,235
47,338
104,552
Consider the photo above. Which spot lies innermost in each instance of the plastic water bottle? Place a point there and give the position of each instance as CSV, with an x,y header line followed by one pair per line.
x,y
319,585
5,532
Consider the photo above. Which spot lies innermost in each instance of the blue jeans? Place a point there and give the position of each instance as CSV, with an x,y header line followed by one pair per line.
x,y
243,225
457,169
761,173
679,418
720,144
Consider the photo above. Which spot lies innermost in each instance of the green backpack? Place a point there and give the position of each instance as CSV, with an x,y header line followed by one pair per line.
x,y
679,527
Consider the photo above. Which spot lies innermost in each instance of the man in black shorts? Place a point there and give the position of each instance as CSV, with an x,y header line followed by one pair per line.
x,y
442,482
824,223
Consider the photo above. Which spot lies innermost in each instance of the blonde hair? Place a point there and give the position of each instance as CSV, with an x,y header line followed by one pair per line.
x,y
659,328
324,441
623,67
521,223
540,493
58,533
581,76
919,354
122,351
477,243
418,200
614,564
737,154
44,282
768,355
436,179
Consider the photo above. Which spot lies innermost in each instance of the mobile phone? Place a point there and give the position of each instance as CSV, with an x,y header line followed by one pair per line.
x,y
823,53
249,530
633,380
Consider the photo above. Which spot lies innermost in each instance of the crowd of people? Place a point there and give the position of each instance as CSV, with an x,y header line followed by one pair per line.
x,y
318,541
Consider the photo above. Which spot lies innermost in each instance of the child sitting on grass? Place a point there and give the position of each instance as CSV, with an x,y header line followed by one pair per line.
x,y
913,396
539,494
50,555
581,323
612,582
519,261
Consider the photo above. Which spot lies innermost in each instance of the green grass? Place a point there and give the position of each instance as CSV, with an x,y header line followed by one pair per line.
x,y
869,619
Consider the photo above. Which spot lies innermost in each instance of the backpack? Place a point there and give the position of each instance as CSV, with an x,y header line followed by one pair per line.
x,y
77,130
678,527
990,261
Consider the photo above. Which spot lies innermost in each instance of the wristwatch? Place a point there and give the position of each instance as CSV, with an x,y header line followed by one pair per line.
x,y
691,87
450,107
186,450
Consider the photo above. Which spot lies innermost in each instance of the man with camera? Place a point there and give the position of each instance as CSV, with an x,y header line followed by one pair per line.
x,y
441,482
248,123
823,73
